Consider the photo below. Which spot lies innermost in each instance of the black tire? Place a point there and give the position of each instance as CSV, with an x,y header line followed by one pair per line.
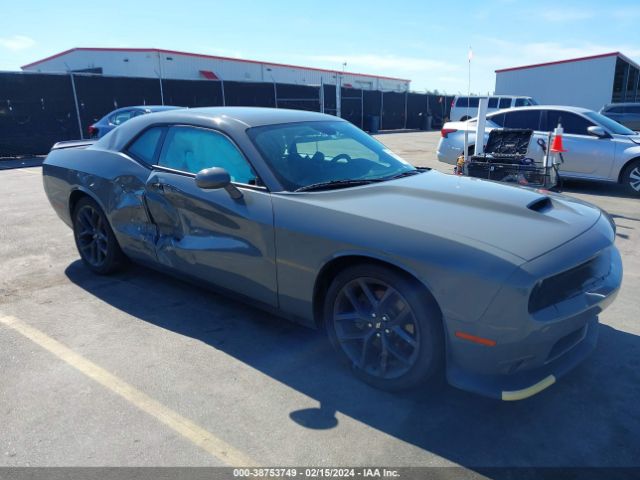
x,y
95,241
362,336
630,178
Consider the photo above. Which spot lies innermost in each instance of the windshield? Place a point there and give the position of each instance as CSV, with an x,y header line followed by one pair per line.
x,y
309,153
611,125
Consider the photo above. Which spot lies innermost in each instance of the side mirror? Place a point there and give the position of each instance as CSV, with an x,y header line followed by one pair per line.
x,y
215,178
598,131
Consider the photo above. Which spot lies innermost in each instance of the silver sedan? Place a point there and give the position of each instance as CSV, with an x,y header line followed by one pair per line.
x,y
598,148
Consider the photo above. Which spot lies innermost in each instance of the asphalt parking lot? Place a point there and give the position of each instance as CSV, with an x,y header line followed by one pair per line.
x,y
143,370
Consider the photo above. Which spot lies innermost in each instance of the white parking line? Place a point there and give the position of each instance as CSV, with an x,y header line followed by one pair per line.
x,y
185,427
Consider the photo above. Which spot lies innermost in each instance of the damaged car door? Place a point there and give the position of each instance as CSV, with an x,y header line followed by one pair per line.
x,y
208,234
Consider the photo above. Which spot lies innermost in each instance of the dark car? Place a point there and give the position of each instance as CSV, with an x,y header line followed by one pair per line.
x,y
628,114
121,115
307,216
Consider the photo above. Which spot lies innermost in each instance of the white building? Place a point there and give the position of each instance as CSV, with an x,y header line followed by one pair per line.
x,y
169,64
588,82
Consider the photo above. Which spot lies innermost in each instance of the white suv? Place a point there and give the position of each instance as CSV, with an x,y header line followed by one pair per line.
x,y
598,148
464,108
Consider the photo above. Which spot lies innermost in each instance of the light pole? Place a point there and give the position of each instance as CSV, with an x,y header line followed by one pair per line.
x,y
275,89
75,100
339,90
160,78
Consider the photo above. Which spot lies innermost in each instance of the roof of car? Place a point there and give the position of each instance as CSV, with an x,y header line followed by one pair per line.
x,y
566,108
249,116
149,108
224,118
621,104
501,95
158,108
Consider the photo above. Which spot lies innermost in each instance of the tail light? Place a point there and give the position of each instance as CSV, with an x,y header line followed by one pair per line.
x,y
446,131
92,131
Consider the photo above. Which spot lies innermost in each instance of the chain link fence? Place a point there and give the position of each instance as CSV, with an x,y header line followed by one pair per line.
x,y
37,109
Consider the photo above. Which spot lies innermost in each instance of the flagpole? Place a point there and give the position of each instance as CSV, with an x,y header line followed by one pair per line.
x,y
470,55
465,152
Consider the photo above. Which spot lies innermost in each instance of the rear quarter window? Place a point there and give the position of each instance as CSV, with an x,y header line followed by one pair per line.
x,y
145,147
523,119
497,119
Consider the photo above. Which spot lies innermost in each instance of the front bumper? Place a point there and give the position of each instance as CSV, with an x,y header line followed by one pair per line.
x,y
533,350
524,384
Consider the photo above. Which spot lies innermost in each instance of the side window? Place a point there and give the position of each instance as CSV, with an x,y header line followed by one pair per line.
x,y
614,110
121,117
523,119
505,103
571,123
144,148
190,149
464,102
633,109
522,102
493,102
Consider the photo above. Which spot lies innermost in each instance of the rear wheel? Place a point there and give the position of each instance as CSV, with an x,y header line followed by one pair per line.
x,y
382,324
96,243
631,178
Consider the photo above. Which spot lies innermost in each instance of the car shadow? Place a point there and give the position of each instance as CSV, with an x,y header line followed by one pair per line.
x,y
601,189
11,163
589,418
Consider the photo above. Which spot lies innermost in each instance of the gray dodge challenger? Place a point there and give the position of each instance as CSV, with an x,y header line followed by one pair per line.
x,y
410,271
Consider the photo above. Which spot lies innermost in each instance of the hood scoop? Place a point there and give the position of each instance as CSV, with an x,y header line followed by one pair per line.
x,y
542,204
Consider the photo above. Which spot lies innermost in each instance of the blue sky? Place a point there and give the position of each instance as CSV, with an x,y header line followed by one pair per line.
x,y
426,42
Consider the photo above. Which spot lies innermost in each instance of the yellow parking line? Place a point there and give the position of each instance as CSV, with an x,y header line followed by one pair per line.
x,y
185,427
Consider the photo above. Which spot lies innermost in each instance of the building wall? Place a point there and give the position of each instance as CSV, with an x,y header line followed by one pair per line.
x,y
585,83
151,64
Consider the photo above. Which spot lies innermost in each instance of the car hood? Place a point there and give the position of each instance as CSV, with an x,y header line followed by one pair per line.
x,y
520,221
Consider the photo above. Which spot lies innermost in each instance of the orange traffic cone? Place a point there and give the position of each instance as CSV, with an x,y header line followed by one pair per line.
x,y
556,146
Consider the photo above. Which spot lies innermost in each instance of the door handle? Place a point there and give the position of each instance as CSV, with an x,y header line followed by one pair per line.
x,y
157,186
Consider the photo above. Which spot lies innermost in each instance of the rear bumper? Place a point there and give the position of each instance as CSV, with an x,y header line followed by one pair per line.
x,y
447,153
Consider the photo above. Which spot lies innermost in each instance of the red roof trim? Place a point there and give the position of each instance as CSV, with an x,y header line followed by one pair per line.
x,y
209,75
48,58
201,55
592,57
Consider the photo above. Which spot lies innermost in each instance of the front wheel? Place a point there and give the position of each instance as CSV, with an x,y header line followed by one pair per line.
x,y
384,326
96,243
631,178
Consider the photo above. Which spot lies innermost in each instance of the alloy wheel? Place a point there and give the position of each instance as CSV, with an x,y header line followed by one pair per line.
x,y
634,179
376,328
92,237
